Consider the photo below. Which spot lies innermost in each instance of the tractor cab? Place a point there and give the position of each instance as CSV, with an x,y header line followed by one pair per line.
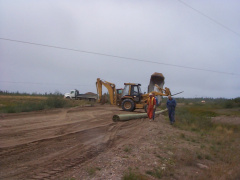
x,y
130,96
132,90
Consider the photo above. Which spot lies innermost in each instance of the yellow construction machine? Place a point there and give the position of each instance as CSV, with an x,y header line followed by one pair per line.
x,y
131,97
114,94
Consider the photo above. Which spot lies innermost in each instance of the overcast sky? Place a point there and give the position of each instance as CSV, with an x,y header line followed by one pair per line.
x,y
184,33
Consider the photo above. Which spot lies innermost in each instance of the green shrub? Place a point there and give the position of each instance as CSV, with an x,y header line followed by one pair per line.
x,y
10,109
31,106
229,104
55,102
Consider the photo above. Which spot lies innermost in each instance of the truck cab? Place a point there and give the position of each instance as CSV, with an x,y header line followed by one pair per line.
x,y
72,95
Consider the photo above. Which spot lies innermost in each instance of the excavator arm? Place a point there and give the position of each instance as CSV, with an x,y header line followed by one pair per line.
x,y
111,90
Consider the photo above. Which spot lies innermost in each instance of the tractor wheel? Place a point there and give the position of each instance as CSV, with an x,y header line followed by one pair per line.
x,y
128,105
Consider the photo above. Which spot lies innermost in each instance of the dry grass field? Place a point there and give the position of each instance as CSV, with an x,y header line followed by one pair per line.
x,y
28,103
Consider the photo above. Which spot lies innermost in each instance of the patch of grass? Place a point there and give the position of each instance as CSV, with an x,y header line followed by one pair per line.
x,y
182,135
199,156
166,169
186,157
132,175
127,149
194,119
194,140
160,172
160,157
218,142
92,170
55,102
155,173
208,157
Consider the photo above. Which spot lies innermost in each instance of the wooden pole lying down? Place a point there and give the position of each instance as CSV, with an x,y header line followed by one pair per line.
x,y
126,117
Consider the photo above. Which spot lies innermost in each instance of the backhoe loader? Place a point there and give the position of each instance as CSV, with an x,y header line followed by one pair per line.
x,y
131,97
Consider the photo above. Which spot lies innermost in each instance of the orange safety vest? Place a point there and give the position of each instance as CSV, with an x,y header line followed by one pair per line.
x,y
151,101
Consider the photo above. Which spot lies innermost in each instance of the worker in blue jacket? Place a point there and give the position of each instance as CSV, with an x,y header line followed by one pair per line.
x,y
171,105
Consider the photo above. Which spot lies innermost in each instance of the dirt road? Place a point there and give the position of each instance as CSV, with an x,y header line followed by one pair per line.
x,y
50,144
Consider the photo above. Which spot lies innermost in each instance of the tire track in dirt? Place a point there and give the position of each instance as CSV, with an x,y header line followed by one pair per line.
x,y
50,157
56,153
119,134
91,150
88,144
64,146
53,128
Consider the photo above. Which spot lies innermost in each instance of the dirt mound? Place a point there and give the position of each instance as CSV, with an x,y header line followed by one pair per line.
x,y
90,93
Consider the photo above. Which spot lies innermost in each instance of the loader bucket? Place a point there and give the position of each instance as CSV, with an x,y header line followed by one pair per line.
x,y
156,78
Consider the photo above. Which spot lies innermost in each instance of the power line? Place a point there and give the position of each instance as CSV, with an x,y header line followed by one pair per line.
x,y
115,56
208,17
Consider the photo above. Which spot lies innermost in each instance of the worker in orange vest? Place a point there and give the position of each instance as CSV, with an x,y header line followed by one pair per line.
x,y
151,106
154,110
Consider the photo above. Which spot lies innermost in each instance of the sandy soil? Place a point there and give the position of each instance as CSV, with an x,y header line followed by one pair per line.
x,y
84,143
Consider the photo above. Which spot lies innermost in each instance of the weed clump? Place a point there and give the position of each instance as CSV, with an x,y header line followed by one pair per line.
x,y
131,175
127,149
92,170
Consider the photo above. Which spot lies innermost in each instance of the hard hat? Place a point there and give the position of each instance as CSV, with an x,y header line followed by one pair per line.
x,y
150,94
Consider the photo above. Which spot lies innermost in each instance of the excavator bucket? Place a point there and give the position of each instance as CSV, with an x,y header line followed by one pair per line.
x,y
156,78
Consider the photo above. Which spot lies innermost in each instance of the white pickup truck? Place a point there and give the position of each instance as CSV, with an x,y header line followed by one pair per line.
x,y
74,94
